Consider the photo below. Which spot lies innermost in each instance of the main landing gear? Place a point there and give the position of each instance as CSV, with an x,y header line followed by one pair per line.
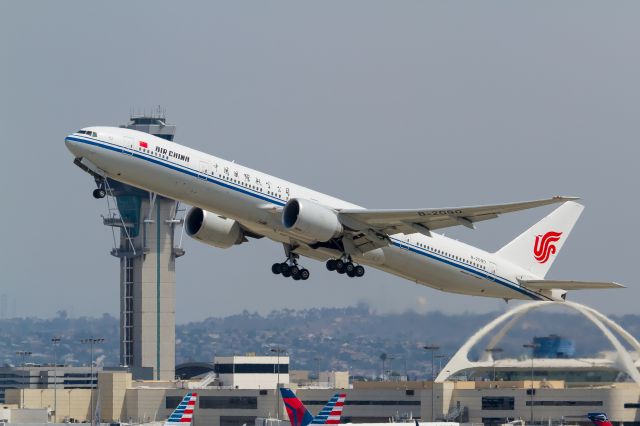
x,y
345,266
290,270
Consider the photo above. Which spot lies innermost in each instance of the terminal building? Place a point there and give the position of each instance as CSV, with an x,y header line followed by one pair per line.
x,y
236,390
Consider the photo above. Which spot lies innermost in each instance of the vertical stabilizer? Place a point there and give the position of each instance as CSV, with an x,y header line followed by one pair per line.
x,y
298,413
331,412
183,414
300,416
537,248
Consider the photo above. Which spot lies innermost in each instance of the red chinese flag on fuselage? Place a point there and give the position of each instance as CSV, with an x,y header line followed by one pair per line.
x,y
143,144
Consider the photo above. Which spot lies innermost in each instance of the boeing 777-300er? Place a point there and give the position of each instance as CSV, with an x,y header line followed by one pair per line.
x,y
232,203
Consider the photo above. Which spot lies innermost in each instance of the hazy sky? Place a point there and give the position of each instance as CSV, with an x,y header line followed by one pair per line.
x,y
385,104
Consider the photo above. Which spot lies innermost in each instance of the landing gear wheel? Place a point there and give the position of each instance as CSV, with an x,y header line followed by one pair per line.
x,y
304,274
295,271
331,264
351,273
275,268
340,265
349,267
285,270
359,271
296,276
99,193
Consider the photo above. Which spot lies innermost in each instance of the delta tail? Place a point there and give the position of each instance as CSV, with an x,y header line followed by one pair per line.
x,y
300,416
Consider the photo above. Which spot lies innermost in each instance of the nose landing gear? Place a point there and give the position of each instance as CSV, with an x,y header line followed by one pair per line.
x,y
99,193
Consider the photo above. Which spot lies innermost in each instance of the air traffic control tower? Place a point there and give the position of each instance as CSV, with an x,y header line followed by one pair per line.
x,y
144,227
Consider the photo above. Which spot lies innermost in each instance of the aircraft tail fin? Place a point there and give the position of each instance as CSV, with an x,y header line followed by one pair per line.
x,y
298,413
183,414
537,247
331,412
599,419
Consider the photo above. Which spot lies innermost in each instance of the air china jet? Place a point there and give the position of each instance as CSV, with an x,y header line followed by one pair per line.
x,y
233,203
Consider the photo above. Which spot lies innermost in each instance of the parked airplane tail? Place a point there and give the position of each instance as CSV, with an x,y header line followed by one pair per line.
x,y
300,416
599,419
298,413
331,412
536,248
183,414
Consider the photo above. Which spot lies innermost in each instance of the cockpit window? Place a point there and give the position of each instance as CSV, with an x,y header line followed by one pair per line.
x,y
88,133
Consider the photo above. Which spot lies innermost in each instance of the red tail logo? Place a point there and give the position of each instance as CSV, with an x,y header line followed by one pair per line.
x,y
544,246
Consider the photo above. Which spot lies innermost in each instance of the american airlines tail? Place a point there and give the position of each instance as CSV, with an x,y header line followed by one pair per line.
x,y
183,414
300,416
537,247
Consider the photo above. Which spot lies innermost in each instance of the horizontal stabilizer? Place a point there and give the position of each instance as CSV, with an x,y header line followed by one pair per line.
x,y
568,285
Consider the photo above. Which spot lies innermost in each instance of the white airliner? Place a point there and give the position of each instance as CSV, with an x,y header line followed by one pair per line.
x,y
232,202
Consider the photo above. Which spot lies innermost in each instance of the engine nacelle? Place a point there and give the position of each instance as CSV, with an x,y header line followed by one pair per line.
x,y
311,221
557,294
212,229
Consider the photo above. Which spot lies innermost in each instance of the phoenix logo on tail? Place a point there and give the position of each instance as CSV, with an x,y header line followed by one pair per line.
x,y
183,414
544,247
599,419
300,416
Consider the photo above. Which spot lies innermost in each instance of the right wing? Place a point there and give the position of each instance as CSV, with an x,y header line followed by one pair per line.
x,y
568,285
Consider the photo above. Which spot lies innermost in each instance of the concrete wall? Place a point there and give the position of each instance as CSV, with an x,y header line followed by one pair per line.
x,y
71,403
113,388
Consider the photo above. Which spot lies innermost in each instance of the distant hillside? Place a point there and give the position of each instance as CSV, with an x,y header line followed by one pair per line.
x,y
342,338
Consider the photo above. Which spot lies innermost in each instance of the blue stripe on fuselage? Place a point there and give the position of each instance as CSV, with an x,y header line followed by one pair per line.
x,y
491,277
396,242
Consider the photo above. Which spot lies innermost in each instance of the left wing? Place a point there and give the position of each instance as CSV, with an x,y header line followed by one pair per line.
x,y
425,220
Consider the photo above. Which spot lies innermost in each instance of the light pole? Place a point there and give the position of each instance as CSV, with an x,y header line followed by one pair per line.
x,y
433,349
440,358
23,355
278,351
390,358
493,352
383,358
55,341
317,360
533,347
91,341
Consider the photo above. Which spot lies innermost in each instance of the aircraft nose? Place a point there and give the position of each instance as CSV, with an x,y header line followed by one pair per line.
x,y
71,145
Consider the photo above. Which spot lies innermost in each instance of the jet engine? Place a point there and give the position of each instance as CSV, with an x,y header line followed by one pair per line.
x,y
310,221
557,294
212,229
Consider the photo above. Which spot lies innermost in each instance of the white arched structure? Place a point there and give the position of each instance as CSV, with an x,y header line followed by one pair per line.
x,y
623,361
